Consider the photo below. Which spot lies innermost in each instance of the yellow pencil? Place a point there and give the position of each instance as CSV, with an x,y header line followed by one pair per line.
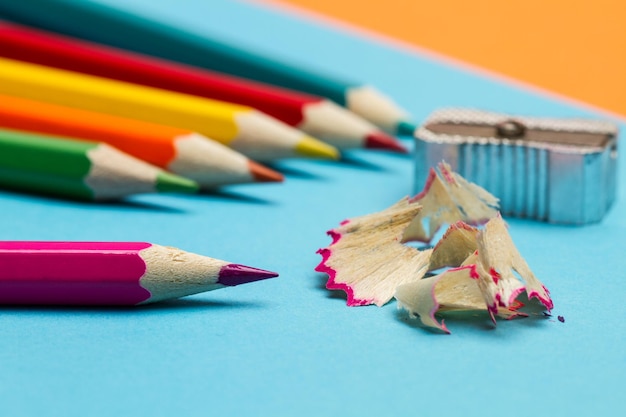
x,y
244,129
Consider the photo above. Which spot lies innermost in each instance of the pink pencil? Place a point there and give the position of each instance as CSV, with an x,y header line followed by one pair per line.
x,y
110,273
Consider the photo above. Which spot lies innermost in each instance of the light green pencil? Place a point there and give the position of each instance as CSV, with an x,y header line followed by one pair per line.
x,y
79,169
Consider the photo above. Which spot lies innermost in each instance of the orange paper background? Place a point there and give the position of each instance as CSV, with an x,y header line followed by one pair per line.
x,y
575,48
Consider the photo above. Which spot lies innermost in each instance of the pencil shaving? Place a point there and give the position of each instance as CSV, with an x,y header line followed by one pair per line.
x,y
447,198
484,281
457,243
358,260
369,261
367,258
455,289
500,259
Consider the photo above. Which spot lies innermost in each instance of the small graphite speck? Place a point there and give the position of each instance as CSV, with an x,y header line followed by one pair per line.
x,y
561,319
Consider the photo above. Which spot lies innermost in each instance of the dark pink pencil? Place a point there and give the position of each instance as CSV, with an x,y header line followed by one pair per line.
x,y
110,273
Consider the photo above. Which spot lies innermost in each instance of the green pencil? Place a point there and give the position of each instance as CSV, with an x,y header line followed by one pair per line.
x,y
79,169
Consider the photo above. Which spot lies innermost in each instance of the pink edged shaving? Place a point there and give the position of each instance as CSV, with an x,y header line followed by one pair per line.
x,y
483,281
457,243
366,258
498,260
420,300
447,198
456,289
477,203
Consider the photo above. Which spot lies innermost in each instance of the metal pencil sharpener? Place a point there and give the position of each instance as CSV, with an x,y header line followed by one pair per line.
x,y
555,170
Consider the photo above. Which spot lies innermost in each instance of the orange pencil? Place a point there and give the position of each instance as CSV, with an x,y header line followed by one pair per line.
x,y
180,151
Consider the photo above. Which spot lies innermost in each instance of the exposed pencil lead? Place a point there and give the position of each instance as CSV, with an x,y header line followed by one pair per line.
x,y
168,183
236,274
262,173
406,128
314,148
381,140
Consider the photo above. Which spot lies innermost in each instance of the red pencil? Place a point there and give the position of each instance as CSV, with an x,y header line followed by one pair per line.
x,y
110,273
314,115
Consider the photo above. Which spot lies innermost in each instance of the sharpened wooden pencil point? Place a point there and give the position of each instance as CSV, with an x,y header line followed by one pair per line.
x,y
342,128
376,107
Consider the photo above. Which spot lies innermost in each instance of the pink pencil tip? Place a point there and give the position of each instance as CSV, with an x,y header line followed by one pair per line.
x,y
235,274
380,140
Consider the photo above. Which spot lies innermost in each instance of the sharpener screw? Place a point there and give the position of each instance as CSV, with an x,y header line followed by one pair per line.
x,y
510,129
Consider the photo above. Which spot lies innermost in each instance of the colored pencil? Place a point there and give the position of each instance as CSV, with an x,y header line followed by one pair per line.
x,y
180,151
115,27
313,115
242,128
79,169
110,273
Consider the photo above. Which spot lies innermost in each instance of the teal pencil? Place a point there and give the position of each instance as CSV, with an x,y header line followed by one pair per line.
x,y
103,24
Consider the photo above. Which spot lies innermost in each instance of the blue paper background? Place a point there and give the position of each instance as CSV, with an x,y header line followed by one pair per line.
x,y
288,346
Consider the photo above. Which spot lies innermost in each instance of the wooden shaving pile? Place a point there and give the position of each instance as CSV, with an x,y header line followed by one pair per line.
x,y
368,258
